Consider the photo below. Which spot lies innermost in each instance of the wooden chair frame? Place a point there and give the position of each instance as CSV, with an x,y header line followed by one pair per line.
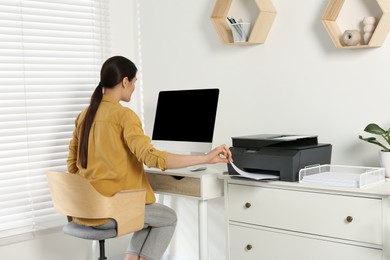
x,y
74,196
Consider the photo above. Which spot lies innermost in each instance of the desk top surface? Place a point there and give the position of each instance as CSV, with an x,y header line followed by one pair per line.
x,y
381,189
211,170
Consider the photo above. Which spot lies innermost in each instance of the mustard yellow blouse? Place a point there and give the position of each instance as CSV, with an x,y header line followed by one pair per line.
x,y
118,149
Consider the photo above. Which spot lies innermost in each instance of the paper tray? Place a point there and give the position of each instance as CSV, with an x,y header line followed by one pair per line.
x,y
344,176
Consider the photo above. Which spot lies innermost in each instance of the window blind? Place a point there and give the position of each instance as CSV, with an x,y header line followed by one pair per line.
x,y
50,56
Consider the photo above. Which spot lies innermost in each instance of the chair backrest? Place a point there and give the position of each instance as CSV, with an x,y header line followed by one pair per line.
x,y
74,196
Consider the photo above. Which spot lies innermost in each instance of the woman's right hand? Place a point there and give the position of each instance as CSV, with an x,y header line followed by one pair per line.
x,y
220,154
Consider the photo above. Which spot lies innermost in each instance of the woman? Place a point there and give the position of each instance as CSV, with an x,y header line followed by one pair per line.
x,y
110,149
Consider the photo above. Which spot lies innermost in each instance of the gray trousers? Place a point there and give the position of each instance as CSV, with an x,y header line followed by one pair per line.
x,y
152,241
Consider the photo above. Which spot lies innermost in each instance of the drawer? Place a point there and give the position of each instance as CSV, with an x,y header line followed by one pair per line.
x,y
178,185
256,243
346,217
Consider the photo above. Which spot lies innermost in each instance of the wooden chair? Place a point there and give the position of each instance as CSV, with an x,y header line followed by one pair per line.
x,y
74,196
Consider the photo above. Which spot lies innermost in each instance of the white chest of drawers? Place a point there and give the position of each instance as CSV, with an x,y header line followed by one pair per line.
x,y
290,220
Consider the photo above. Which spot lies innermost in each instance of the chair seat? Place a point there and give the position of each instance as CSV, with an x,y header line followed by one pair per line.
x,y
90,233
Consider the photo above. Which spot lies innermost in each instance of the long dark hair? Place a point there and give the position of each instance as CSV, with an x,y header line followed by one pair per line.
x,y
111,74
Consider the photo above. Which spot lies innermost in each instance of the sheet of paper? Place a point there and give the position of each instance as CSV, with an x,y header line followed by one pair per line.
x,y
254,176
333,178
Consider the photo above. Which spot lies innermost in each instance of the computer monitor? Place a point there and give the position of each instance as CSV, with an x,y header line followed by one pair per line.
x,y
184,121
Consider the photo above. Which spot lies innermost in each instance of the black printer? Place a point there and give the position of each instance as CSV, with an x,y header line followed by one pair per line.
x,y
281,155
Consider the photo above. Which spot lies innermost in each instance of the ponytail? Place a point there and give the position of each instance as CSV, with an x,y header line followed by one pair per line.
x,y
112,73
96,98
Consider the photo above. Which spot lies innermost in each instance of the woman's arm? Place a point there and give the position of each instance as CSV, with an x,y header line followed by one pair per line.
x,y
220,154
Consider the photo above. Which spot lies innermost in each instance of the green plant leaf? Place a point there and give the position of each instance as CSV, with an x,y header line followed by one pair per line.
x,y
374,129
374,141
368,139
386,136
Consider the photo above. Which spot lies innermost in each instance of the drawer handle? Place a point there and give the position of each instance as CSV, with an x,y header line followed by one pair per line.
x,y
248,247
349,219
248,205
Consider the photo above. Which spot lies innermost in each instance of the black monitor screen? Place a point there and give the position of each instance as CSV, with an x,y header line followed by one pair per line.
x,y
186,115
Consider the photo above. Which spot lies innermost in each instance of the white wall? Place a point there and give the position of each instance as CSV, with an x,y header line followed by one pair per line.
x,y
295,83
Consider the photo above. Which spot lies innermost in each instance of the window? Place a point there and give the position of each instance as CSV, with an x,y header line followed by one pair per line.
x,y
50,56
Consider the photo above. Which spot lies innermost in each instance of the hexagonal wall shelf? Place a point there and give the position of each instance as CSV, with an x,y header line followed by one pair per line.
x,y
260,28
379,35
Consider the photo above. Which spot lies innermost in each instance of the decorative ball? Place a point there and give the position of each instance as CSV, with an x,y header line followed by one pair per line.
x,y
367,37
369,20
351,37
369,28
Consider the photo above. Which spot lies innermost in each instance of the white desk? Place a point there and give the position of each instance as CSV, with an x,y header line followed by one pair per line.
x,y
201,185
